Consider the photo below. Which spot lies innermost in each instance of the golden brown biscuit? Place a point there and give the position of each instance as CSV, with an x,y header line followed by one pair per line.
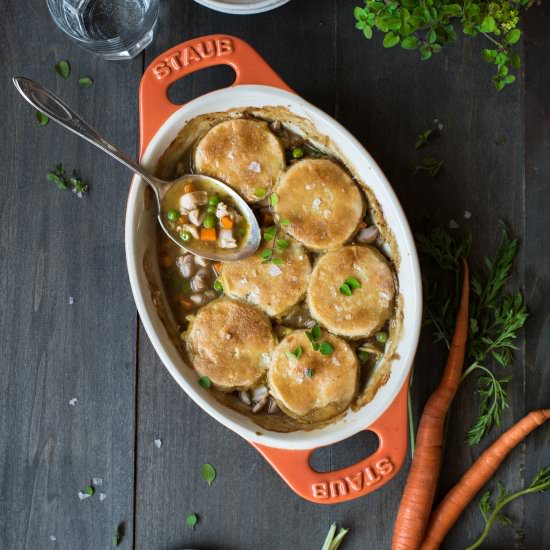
x,y
322,203
368,308
242,153
229,341
273,288
313,386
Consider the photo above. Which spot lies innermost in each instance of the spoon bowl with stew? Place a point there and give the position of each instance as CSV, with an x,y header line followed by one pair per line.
x,y
199,213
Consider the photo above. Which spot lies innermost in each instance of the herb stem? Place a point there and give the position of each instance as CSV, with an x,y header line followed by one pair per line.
x,y
496,42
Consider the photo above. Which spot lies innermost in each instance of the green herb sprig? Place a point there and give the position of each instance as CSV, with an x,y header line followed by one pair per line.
x,y
429,165
118,535
493,512
63,181
496,318
428,25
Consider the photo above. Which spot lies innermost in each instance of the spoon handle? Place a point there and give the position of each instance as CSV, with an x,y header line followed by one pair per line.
x,y
48,103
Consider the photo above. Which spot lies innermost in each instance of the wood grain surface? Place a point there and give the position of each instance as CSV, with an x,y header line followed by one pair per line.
x,y
54,246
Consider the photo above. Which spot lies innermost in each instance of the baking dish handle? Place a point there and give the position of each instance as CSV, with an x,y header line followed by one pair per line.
x,y
188,57
354,481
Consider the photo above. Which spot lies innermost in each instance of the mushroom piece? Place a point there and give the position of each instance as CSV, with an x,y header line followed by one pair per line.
x,y
226,239
193,199
200,280
224,210
197,298
196,216
186,265
367,235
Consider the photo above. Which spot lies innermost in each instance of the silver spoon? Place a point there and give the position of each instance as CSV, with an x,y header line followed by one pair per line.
x,y
46,102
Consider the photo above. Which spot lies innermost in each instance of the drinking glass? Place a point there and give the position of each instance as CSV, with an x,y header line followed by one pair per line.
x,y
113,29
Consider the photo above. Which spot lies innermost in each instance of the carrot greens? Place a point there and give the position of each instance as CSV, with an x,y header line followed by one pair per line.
x,y
496,317
493,512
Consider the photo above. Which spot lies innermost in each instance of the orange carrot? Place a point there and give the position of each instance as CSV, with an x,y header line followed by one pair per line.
x,y
208,234
227,222
416,502
217,267
456,500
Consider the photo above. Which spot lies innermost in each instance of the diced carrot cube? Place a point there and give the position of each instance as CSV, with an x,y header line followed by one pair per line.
x,y
227,222
217,267
208,234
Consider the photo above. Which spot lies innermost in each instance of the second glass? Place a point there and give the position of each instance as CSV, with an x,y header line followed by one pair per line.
x,y
113,29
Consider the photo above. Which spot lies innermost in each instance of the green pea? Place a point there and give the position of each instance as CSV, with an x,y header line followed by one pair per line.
x,y
172,214
297,152
209,221
185,236
218,287
211,209
382,336
214,200
363,356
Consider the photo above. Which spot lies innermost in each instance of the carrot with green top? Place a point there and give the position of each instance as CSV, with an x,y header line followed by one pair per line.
x,y
416,503
479,473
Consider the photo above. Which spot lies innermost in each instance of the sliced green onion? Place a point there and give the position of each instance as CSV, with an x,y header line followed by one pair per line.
x,y
185,236
382,336
218,287
325,348
214,200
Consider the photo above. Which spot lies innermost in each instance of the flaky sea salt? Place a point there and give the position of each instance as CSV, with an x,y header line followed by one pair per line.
x,y
102,496
82,495
274,270
53,538
158,443
71,300
255,167
467,214
73,401
98,481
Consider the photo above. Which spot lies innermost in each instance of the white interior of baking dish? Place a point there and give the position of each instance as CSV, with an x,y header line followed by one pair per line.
x,y
140,234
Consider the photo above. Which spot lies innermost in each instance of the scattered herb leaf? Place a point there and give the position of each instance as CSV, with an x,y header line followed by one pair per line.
x,y
273,199
430,165
119,534
270,232
85,82
260,192
352,282
63,69
42,118
266,254
208,473
316,332
277,261
284,222
423,139
345,290
310,373
282,243
89,490
325,348
192,520
205,382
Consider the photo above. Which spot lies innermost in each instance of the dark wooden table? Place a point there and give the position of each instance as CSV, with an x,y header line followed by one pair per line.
x,y
54,246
